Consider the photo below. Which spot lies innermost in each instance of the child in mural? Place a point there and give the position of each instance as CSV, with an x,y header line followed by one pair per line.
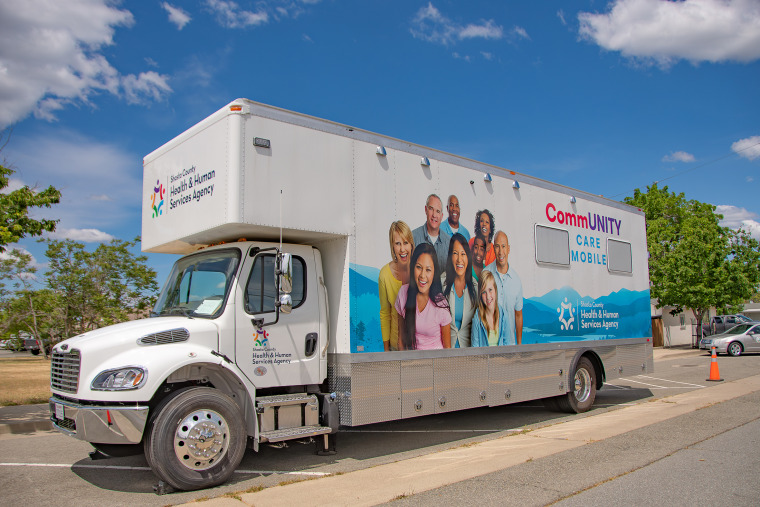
x,y
491,323
424,316
392,276
484,227
460,290
478,256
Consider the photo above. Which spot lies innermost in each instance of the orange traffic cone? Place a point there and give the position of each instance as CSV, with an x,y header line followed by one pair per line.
x,y
714,373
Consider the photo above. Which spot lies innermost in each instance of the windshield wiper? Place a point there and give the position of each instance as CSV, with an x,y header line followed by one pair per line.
x,y
174,309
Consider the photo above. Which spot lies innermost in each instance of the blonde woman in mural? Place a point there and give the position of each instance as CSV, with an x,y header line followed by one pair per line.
x,y
490,323
392,276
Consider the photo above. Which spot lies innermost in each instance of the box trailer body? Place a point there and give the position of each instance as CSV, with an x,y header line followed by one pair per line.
x,y
251,182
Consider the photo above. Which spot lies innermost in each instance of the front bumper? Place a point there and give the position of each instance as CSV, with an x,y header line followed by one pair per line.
x,y
99,424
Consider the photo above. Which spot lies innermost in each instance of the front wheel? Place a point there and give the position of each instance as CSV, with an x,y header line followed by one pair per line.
x,y
734,349
583,393
197,439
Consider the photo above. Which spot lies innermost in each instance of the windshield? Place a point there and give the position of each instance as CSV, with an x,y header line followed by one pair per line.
x,y
742,318
198,284
741,328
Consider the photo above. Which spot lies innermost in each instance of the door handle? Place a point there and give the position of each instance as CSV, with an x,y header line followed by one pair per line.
x,y
311,344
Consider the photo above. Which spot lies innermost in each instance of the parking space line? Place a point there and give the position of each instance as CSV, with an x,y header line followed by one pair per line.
x,y
673,381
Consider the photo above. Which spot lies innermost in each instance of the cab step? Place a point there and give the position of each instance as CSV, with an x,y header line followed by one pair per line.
x,y
282,400
293,433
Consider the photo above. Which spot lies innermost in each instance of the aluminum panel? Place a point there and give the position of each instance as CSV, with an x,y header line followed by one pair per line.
x,y
375,392
339,375
417,392
460,382
632,359
526,376
608,355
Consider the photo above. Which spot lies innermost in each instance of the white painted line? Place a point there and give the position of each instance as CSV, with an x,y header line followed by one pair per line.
x,y
429,431
147,469
644,383
673,381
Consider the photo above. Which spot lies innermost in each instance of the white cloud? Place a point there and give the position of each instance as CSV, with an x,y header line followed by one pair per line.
x,y
663,32
679,156
561,16
230,15
177,15
521,32
100,184
748,148
432,26
739,218
51,56
750,179
145,87
83,235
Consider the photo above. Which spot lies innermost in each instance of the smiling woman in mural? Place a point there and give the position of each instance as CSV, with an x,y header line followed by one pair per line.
x,y
490,324
392,276
424,316
484,228
460,290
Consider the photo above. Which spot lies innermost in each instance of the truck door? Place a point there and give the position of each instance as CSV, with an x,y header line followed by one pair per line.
x,y
280,352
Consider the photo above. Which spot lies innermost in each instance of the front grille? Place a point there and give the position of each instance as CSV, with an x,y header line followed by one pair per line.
x,y
171,336
64,371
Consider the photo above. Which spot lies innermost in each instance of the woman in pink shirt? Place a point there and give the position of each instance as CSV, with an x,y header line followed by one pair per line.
x,y
424,316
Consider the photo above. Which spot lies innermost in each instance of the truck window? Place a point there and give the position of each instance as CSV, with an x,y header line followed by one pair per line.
x,y
552,246
619,256
261,291
198,284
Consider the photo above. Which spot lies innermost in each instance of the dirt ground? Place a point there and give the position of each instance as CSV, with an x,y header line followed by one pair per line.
x,y
24,379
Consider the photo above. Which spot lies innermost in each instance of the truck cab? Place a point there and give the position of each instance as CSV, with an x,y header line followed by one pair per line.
x,y
235,347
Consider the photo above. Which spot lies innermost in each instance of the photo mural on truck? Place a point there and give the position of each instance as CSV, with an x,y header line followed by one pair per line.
x,y
485,305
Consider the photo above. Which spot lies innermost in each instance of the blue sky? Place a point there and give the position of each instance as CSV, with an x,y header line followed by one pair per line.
x,y
604,97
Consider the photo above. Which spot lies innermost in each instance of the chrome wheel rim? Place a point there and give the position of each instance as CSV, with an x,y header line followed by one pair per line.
x,y
734,349
201,439
582,385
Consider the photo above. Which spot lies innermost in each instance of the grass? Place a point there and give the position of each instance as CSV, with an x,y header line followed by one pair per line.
x,y
24,380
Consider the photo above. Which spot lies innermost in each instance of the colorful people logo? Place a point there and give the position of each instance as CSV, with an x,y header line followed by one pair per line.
x,y
262,338
158,191
565,323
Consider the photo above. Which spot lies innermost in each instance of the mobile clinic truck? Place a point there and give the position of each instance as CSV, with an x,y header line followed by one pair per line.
x,y
272,325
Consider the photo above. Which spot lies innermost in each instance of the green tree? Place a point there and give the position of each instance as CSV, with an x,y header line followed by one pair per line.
x,y
98,288
693,261
25,309
15,222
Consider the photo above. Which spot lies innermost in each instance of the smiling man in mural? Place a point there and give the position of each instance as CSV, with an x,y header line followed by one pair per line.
x,y
430,231
509,285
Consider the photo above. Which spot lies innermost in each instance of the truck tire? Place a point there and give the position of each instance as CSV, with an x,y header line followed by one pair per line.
x,y
196,440
35,352
734,349
583,393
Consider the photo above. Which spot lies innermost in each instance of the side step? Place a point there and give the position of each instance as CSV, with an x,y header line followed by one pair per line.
x,y
293,433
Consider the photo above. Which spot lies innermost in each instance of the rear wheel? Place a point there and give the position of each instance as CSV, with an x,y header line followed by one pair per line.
x,y
197,439
583,393
735,349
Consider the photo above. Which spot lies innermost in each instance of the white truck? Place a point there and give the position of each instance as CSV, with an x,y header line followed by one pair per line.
x,y
275,325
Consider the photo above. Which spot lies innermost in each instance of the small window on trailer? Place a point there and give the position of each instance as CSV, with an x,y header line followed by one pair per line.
x,y
619,256
552,246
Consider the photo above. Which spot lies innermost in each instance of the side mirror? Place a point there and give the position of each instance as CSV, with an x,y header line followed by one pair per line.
x,y
286,303
285,273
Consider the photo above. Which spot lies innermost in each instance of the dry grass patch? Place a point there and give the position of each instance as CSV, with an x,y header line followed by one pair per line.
x,y
24,380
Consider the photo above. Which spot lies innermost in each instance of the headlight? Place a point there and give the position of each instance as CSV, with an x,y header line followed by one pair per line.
x,y
122,379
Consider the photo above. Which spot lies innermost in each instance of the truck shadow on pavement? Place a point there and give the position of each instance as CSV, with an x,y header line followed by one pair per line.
x,y
362,446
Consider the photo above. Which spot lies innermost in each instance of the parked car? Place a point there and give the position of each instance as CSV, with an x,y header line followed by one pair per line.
x,y
735,341
3,344
722,323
